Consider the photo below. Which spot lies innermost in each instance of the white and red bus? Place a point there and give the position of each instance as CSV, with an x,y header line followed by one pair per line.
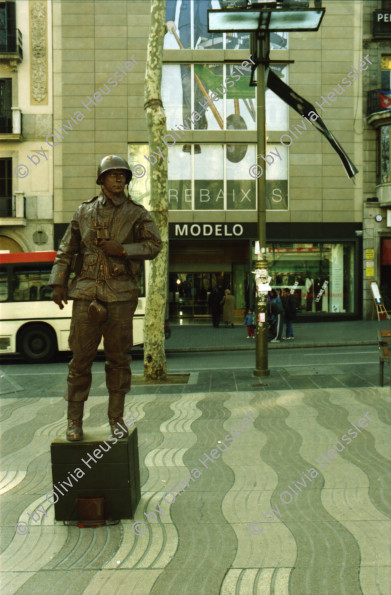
x,y
31,323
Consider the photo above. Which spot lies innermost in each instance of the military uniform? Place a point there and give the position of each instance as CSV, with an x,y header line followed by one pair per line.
x,y
109,279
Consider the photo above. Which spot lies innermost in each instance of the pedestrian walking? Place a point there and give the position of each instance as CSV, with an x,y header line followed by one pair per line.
x,y
290,307
228,303
249,321
215,304
108,237
277,311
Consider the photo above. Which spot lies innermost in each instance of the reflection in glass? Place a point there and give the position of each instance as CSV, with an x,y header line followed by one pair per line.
x,y
139,187
221,181
190,292
240,98
279,41
277,111
31,284
241,187
188,20
277,178
209,178
179,179
207,79
3,286
214,97
233,106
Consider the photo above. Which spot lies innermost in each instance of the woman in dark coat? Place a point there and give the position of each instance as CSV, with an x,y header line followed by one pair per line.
x,y
289,304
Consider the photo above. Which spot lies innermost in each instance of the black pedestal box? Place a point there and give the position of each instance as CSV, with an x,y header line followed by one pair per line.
x,y
115,475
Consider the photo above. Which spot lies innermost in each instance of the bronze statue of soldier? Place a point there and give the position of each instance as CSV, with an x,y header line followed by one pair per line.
x,y
108,237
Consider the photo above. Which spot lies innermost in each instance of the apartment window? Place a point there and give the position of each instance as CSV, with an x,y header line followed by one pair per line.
x,y
5,105
6,187
7,27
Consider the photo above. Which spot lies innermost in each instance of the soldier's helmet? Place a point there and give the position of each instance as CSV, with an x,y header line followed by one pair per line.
x,y
113,162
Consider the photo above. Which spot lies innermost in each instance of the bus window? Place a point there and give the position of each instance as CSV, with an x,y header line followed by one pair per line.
x,y
3,286
30,285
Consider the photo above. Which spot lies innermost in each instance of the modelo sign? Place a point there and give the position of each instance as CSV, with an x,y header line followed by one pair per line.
x,y
208,230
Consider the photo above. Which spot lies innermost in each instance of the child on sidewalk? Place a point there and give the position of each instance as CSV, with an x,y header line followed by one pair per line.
x,y
249,321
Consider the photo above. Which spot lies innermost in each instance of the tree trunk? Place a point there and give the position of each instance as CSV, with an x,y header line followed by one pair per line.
x,y
155,365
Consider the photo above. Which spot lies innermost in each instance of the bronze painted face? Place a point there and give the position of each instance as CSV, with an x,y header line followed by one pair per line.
x,y
113,182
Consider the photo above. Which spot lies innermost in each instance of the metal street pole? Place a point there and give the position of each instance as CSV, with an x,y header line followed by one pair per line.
x,y
261,272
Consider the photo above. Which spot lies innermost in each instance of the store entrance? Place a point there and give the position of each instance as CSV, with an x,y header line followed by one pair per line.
x,y
189,292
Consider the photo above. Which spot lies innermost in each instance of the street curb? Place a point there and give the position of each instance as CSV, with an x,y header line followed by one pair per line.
x,y
274,346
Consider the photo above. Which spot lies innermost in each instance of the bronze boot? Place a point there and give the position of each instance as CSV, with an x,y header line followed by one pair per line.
x,y
115,413
75,420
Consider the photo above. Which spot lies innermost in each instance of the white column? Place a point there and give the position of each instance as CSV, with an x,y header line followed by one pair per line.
x,y
336,278
16,120
18,204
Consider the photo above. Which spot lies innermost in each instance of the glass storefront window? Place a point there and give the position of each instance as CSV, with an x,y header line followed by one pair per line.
x,y
190,18
179,179
208,181
189,292
320,276
277,196
232,104
191,25
139,187
277,111
213,177
279,41
241,187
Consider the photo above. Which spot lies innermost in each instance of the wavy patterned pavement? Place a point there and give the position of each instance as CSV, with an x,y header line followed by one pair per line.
x,y
329,532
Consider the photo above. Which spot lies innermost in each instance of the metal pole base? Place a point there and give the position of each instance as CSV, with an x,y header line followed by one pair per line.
x,y
261,372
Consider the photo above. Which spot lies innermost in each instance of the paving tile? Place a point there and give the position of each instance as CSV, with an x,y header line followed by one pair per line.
x,y
229,530
327,381
300,382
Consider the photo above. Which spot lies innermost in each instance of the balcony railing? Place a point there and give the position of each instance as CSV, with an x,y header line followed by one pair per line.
x,y
11,43
6,123
373,103
6,206
11,123
13,207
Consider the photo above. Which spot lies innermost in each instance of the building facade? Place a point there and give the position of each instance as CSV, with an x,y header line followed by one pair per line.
x,y
377,187
26,167
314,211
